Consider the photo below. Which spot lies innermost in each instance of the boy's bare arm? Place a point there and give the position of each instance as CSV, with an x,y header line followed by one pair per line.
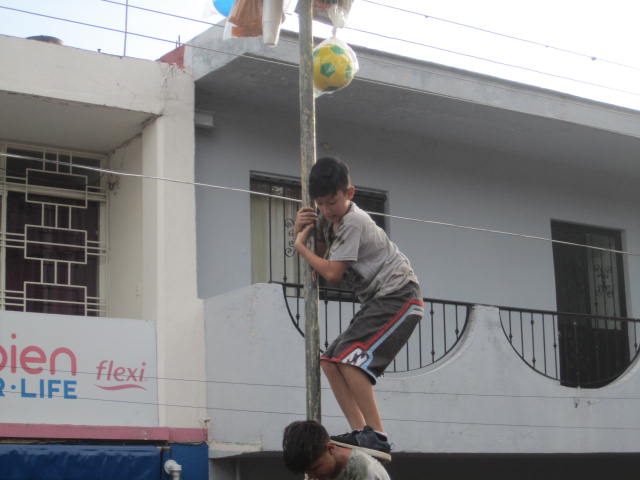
x,y
331,271
306,216
321,247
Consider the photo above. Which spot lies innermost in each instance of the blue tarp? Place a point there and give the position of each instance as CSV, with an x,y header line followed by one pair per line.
x,y
79,462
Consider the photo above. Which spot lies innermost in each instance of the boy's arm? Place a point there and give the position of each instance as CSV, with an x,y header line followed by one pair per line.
x,y
330,270
321,247
307,216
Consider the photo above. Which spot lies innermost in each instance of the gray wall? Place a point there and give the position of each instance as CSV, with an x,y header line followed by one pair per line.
x,y
480,398
425,178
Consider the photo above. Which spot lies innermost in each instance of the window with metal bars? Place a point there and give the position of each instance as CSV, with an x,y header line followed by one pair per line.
x,y
51,243
273,257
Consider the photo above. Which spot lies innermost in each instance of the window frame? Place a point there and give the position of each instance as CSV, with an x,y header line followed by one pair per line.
x,y
94,191
271,181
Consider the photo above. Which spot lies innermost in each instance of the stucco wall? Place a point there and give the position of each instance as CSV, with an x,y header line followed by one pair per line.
x,y
85,76
425,178
140,114
125,234
480,399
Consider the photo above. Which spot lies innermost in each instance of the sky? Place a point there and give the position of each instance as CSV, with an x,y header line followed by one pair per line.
x,y
604,31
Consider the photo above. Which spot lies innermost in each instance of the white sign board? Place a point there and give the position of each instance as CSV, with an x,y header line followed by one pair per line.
x,y
64,369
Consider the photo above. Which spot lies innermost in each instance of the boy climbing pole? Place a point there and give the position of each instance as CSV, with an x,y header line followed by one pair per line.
x,y
351,248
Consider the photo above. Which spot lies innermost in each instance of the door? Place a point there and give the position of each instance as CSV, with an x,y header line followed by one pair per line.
x,y
590,295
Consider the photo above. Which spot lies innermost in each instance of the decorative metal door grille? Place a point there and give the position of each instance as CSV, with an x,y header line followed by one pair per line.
x,y
594,348
50,233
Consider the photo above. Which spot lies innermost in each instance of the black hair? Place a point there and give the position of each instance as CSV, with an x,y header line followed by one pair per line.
x,y
303,443
328,176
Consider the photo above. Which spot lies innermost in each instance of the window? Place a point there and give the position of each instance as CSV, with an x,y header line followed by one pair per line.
x,y
51,242
590,282
273,257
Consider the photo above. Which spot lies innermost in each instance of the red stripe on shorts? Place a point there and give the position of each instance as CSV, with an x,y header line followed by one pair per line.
x,y
372,340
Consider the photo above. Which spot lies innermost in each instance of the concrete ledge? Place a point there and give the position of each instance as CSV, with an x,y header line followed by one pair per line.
x,y
93,432
222,449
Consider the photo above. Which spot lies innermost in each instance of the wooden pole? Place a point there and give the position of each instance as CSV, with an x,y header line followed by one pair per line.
x,y
307,159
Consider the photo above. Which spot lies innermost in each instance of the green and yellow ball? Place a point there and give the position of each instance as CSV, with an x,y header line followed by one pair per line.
x,y
333,68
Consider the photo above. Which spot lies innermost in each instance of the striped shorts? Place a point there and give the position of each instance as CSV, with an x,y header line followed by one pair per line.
x,y
378,331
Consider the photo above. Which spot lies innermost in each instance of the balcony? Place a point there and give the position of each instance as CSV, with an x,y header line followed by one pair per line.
x,y
578,350
477,392
586,351
471,379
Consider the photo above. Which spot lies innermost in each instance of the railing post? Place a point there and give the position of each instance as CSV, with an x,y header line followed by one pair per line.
x,y
307,159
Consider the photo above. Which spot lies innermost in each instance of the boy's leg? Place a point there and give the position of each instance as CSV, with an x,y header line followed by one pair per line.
x,y
361,390
362,352
344,395
356,390
354,393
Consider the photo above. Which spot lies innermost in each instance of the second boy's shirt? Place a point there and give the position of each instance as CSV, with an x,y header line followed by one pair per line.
x,y
376,265
361,466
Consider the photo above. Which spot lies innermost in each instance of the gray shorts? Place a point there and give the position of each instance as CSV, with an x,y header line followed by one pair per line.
x,y
378,331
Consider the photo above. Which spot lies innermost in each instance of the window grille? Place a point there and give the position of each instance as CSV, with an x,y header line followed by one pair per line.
x,y
52,247
594,345
273,257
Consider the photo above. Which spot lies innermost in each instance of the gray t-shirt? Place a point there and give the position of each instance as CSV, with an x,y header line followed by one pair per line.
x,y
376,266
361,466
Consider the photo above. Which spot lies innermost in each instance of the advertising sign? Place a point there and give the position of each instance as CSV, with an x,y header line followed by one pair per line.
x,y
64,369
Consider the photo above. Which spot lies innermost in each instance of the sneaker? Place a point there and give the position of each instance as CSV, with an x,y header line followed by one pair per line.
x,y
367,441
348,438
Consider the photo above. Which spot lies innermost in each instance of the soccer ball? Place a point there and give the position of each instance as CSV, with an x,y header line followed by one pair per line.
x,y
333,68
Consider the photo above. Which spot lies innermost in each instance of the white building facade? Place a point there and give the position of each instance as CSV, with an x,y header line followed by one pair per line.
x,y
100,324
495,379
158,319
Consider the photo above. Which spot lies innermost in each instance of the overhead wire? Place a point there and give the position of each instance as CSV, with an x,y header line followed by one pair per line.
x,y
149,37
114,172
580,395
504,35
280,197
591,57
263,59
388,37
497,62
387,419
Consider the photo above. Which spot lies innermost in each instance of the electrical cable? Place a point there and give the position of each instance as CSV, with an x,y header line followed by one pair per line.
x,y
503,64
279,197
591,57
511,37
377,213
379,390
290,65
150,37
388,419
159,12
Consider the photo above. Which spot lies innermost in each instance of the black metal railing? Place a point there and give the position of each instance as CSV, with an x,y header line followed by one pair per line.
x,y
435,335
579,350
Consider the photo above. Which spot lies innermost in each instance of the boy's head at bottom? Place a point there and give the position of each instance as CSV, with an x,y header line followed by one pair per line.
x,y
306,448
